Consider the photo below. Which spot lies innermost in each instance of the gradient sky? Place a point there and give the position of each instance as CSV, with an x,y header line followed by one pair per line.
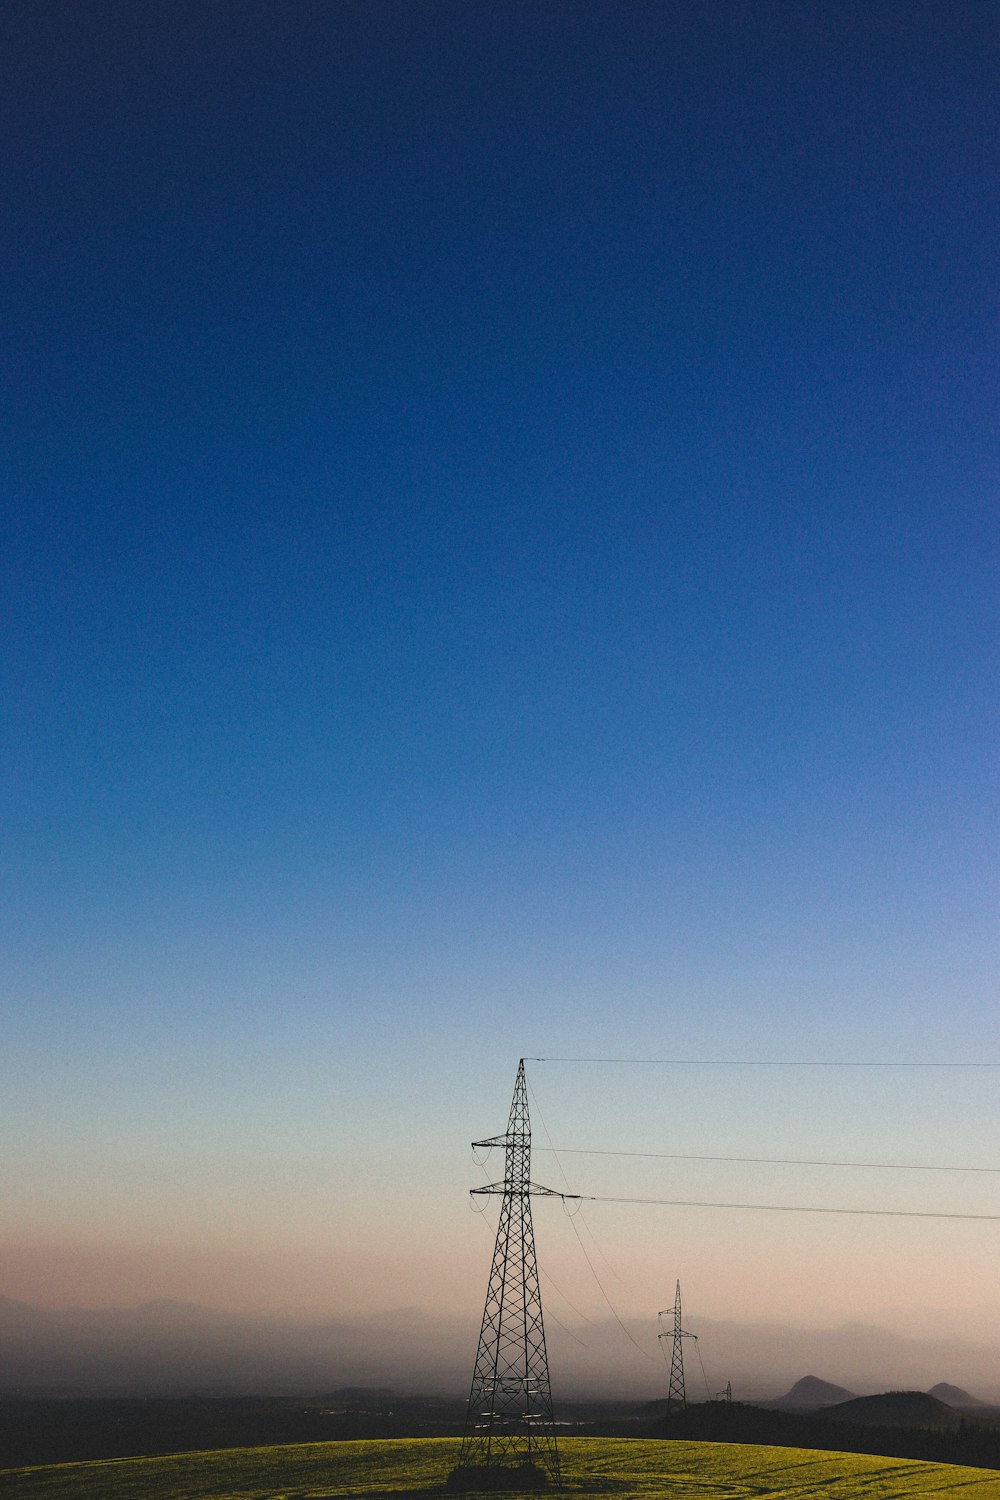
x,y
500,557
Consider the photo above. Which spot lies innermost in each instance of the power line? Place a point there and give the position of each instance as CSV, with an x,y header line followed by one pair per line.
x,y
744,1062
704,1375
784,1208
768,1161
555,1319
547,1276
600,1286
576,1231
550,1148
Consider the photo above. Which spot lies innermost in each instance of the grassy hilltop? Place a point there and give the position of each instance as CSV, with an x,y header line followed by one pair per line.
x,y
600,1468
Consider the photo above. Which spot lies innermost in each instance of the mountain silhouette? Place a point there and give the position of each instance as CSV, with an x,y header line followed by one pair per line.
x,y
809,1394
953,1395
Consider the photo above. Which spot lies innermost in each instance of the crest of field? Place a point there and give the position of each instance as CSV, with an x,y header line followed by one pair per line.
x,y
418,1467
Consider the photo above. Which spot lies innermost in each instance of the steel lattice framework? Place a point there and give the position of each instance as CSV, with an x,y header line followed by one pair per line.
x,y
509,1423
676,1398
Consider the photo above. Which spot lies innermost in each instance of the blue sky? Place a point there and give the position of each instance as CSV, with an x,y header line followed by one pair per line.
x,y
500,557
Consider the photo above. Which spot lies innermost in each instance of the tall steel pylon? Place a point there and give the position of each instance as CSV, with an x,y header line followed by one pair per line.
x,y
676,1398
509,1423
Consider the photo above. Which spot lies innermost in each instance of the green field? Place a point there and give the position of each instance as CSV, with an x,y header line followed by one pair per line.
x,y
595,1467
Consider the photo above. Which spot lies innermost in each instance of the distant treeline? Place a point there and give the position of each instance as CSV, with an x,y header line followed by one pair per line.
x,y
47,1431
732,1422
51,1431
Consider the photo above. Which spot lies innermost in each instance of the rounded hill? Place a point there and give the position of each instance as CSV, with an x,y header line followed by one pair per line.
x,y
895,1409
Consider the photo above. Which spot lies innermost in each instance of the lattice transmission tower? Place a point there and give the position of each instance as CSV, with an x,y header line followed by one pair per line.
x,y
676,1399
509,1430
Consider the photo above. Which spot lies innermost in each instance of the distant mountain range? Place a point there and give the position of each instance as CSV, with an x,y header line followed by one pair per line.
x,y
943,1407
166,1348
856,1358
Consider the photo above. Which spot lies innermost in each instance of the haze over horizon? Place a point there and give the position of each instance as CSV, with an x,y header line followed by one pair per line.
x,y
500,559
169,1349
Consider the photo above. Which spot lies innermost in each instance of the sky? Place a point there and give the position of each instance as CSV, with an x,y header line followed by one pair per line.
x,y
499,552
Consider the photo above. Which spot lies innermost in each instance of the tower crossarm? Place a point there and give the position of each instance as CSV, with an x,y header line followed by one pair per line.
x,y
534,1188
547,1192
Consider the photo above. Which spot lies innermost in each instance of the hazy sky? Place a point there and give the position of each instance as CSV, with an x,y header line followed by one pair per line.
x,y
500,558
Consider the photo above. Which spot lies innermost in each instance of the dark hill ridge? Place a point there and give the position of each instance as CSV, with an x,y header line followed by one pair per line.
x,y
893,1425
895,1409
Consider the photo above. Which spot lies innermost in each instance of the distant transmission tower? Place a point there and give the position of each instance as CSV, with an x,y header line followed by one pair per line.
x,y
509,1429
676,1399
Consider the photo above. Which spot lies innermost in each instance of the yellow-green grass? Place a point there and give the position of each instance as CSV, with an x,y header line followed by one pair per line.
x,y
599,1468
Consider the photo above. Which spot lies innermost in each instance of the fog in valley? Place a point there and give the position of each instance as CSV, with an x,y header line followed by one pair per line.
x,y
177,1349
